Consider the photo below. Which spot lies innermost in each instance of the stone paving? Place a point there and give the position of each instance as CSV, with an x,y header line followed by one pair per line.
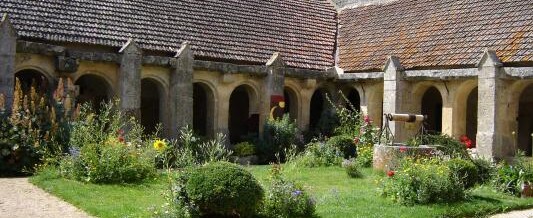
x,y
515,214
20,198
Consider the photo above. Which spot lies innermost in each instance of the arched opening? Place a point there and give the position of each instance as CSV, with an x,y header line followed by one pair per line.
x,y
29,78
525,120
317,106
432,107
151,93
203,109
93,90
354,99
291,103
471,115
241,121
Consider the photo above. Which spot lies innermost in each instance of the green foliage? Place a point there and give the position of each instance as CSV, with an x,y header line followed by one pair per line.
x,y
107,147
365,154
219,189
509,178
485,170
278,135
352,168
286,198
244,149
445,144
465,170
319,154
34,130
343,143
422,182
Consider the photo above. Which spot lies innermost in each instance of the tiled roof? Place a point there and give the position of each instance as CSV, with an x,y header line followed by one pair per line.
x,y
303,31
435,33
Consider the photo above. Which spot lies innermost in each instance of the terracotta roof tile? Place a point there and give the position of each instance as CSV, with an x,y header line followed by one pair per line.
x,y
432,33
250,31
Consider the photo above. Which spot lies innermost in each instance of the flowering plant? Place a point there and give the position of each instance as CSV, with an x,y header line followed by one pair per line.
x,y
467,141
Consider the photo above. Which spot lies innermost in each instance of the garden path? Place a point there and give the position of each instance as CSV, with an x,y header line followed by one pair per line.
x,y
20,198
515,214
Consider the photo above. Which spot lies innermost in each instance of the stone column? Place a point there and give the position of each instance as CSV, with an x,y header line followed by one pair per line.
x,y
491,107
272,89
393,88
181,90
129,79
8,46
306,94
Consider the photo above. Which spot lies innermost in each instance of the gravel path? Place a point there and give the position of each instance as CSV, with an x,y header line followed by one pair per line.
x,y
20,198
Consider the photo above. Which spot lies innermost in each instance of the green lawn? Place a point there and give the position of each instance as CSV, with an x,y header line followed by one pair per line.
x,y
336,196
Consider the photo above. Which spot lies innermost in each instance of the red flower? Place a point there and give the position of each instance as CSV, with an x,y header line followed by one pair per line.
x,y
120,132
367,119
390,173
356,140
466,141
121,139
403,149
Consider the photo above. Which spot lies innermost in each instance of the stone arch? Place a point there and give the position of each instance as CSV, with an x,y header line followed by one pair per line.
x,y
525,120
33,76
353,96
153,103
431,105
243,118
465,110
318,105
93,89
204,104
292,102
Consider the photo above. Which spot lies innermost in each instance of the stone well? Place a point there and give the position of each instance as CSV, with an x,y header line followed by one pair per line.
x,y
387,157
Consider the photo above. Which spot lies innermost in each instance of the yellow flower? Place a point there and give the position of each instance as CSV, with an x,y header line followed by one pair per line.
x,y
160,145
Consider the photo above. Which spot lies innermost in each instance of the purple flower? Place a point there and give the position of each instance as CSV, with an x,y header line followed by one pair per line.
x,y
296,193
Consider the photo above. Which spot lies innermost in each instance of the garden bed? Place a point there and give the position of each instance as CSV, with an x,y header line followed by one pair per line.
x,y
386,157
336,196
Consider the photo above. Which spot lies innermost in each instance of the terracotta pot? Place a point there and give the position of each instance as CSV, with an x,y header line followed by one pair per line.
x,y
527,190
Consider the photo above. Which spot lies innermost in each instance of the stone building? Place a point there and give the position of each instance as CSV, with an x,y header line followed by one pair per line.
x,y
218,65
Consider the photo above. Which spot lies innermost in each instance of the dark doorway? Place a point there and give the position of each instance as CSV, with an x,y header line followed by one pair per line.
x,y
354,99
29,78
432,107
525,120
93,90
203,109
241,122
291,103
150,105
317,106
471,115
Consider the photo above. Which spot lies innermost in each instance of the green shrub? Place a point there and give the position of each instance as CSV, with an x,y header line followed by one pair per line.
x,y
286,199
318,154
445,144
219,189
365,154
343,143
104,152
422,182
352,168
485,170
465,170
244,149
509,178
278,135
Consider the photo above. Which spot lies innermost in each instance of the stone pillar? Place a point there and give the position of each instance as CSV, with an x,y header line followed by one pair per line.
x,y
306,94
491,107
8,46
181,90
272,90
393,88
129,79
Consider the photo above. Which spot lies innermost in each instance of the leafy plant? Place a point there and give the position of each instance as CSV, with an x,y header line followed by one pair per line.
x,y
278,135
365,154
244,149
465,170
343,143
286,198
318,154
444,143
352,168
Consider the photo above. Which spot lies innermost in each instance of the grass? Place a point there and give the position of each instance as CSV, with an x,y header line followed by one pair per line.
x,y
336,195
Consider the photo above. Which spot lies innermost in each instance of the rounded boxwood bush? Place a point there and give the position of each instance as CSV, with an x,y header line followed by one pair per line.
x,y
343,143
223,189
